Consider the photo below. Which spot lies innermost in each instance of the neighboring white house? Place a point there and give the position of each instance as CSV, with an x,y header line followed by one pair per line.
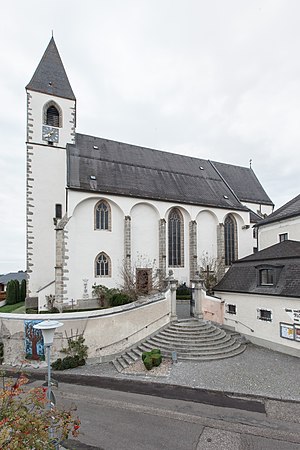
x,y
282,224
262,297
96,207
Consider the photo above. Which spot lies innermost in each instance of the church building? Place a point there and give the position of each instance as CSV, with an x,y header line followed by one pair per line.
x,y
98,209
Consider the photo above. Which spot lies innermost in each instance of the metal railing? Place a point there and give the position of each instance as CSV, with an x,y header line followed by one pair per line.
x,y
238,321
132,334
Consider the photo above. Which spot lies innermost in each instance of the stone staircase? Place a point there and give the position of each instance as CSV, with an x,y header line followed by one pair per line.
x,y
192,339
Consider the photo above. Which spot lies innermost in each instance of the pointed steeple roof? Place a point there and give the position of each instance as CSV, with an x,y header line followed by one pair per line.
x,y
50,76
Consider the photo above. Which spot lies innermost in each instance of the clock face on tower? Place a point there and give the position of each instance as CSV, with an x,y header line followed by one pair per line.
x,y
50,134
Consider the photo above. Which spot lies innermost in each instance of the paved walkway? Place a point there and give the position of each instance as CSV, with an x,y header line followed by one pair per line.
x,y
257,371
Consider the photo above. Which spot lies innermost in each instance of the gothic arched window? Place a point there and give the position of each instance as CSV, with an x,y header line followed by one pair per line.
x,y
230,239
102,216
102,265
175,236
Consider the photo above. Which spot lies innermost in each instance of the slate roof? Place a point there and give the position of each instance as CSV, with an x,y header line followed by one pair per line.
x,y
290,209
244,183
4,279
50,76
110,167
243,274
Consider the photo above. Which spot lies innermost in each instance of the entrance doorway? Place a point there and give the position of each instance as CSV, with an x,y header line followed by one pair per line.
x,y
144,280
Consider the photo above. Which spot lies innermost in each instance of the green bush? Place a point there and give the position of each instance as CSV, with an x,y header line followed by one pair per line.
x,y
148,362
119,299
152,358
183,292
155,350
145,354
69,362
11,294
23,291
76,352
156,359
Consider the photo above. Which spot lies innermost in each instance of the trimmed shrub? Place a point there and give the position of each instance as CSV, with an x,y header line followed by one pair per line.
x,y
145,354
155,350
152,358
156,359
148,362
119,299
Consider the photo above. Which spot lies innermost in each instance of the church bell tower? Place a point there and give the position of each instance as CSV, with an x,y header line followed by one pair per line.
x,y
51,121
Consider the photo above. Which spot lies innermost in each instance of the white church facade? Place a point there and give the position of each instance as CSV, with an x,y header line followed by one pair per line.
x,y
97,207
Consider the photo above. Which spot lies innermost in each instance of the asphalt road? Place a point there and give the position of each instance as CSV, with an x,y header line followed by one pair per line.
x,y
115,420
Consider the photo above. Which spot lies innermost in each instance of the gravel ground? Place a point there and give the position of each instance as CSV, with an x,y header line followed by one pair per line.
x,y
257,371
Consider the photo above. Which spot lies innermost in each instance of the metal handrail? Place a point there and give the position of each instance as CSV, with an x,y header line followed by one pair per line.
x,y
238,321
132,334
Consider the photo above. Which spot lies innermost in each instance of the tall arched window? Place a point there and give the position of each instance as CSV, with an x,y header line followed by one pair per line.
x,y
102,265
230,239
102,216
175,236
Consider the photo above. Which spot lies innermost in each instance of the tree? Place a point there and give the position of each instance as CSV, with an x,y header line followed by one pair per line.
x,y
210,269
25,419
23,291
17,291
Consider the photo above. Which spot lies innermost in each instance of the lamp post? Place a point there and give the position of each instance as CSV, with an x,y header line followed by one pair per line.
x,y
48,328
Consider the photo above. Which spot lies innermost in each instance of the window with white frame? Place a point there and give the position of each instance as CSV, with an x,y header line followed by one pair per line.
x,y
264,314
230,308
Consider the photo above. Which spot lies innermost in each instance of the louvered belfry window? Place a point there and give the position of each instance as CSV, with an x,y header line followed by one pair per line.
x,y
52,116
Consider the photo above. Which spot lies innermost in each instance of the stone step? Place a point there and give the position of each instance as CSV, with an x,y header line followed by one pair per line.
x,y
195,354
158,340
198,336
191,329
194,349
210,357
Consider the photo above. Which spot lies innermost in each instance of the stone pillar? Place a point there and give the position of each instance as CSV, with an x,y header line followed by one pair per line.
x,y
162,249
193,248
220,251
127,244
199,294
173,286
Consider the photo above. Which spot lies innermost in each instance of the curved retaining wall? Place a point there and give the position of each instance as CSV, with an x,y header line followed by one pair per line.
x,y
107,332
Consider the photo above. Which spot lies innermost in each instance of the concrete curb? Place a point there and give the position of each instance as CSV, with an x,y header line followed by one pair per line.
x,y
170,391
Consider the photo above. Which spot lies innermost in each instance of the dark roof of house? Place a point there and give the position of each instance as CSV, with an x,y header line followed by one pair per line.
x,y
4,279
110,167
290,209
254,218
50,76
283,257
244,183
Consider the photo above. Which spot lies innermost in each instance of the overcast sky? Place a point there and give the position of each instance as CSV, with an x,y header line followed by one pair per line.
x,y
217,79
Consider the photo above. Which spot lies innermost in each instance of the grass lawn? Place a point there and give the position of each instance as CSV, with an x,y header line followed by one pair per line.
x,y
12,308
